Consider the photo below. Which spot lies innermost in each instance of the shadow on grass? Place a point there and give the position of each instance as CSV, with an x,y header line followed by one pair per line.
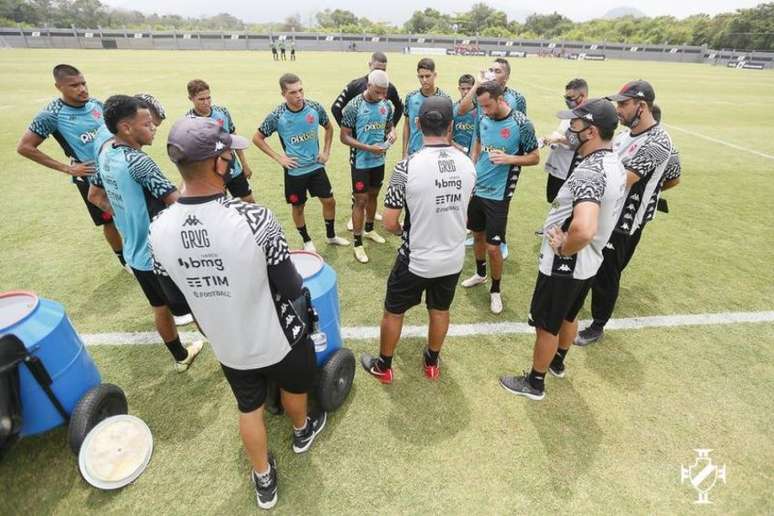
x,y
106,298
615,364
575,442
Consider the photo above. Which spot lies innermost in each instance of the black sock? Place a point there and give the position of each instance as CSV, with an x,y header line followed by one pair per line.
x,y
558,360
304,234
120,256
358,240
177,349
329,231
384,362
537,380
495,289
369,226
431,357
481,267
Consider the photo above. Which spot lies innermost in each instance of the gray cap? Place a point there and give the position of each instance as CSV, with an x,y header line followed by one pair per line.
x,y
198,138
436,109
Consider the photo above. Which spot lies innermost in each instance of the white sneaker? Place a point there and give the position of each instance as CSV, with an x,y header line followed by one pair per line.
x,y
182,320
473,281
373,235
349,224
337,240
309,247
378,216
360,254
193,352
495,303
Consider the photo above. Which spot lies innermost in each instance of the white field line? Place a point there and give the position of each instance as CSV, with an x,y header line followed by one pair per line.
x,y
470,330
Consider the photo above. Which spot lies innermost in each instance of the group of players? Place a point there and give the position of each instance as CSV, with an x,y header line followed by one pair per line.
x,y
226,261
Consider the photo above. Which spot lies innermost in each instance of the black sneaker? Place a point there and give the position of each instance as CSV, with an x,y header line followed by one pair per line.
x,y
520,385
557,370
266,488
589,335
303,439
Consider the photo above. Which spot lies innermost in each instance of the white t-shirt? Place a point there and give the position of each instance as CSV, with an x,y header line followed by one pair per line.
x,y
559,159
434,187
598,178
217,252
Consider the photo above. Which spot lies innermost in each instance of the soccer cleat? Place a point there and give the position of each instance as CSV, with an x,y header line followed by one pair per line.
x,y
360,254
349,224
193,352
371,364
309,247
432,372
266,488
504,250
378,216
473,281
589,335
373,235
520,386
182,320
303,440
495,303
337,240
559,371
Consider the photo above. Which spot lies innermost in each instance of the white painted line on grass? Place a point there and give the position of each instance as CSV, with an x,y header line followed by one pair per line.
x,y
721,142
471,330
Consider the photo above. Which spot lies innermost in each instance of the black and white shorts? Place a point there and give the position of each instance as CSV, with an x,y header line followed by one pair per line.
x,y
238,186
557,299
316,183
364,179
295,374
404,290
490,216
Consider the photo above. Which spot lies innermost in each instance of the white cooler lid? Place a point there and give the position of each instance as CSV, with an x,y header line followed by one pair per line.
x,y
307,264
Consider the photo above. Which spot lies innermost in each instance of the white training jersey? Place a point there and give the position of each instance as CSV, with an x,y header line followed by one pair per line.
x,y
598,178
217,252
434,187
647,155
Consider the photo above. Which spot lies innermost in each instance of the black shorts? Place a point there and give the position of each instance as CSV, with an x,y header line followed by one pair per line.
x,y
316,183
490,216
98,216
404,290
295,374
238,186
161,291
557,299
364,179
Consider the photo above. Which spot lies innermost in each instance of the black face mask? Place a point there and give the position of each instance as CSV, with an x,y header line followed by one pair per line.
x,y
635,120
581,141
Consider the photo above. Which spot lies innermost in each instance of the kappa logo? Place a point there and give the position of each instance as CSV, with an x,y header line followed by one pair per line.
x,y
219,145
191,220
496,238
565,268
635,197
589,116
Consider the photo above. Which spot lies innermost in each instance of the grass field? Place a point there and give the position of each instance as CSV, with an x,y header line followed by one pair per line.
x,y
609,438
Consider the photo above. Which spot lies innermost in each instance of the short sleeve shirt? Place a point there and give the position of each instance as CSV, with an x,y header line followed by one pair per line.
x,y
369,122
412,104
298,133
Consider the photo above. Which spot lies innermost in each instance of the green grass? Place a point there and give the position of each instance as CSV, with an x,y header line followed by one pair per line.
x,y
610,438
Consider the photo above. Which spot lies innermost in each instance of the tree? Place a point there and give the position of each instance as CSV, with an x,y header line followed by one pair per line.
x,y
293,23
336,19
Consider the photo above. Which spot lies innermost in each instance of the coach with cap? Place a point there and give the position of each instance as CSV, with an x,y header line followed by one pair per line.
x,y
230,259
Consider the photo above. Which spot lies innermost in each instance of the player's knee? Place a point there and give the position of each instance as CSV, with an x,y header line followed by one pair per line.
x,y
493,250
361,200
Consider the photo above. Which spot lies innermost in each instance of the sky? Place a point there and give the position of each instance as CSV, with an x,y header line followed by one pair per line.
x,y
401,10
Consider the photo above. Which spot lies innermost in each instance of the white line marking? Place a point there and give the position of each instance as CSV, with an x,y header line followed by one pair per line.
x,y
721,142
470,330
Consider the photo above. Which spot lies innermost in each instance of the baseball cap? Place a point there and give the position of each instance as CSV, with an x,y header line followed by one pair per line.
x,y
640,89
194,139
437,110
598,112
153,103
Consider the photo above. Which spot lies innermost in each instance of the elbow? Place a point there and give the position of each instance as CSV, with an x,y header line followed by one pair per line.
x,y
22,149
257,139
534,158
586,235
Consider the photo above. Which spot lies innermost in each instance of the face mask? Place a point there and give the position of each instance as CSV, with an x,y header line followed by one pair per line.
x,y
571,104
635,120
577,136
572,139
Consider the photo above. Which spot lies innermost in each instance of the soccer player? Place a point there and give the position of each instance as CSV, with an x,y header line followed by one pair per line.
x,y
131,185
365,122
274,50
500,72
282,49
412,135
239,172
73,120
434,187
577,228
644,151
505,142
231,260
296,122
293,50
464,125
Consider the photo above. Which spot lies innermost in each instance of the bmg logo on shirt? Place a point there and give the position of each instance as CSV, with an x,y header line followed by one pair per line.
x,y
195,238
193,263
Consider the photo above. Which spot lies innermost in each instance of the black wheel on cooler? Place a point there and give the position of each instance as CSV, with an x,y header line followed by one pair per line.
x,y
100,402
336,379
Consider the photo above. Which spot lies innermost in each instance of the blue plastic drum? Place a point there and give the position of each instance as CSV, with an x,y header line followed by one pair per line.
x,y
47,333
320,279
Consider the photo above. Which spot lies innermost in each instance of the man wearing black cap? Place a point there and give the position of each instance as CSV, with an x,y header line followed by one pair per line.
x,y
644,151
230,259
575,232
434,186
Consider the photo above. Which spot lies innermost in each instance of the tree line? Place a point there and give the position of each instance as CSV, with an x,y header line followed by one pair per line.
x,y
751,28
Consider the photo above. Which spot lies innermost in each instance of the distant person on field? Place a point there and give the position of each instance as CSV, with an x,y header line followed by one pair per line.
x,y
274,50
293,50
282,50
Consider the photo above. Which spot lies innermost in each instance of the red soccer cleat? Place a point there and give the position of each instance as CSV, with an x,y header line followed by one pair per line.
x,y
371,365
